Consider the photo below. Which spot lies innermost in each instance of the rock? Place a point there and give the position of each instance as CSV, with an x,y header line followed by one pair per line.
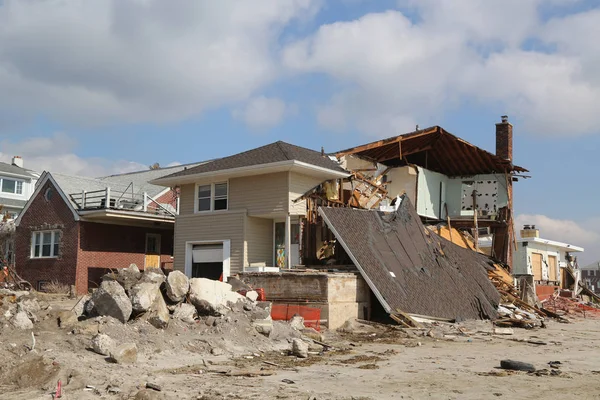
x,y
143,295
124,354
313,334
102,344
212,297
133,268
148,394
263,326
126,277
21,321
110,299
217,351
67,319
154,275
185,312
210,321
79,308
158,315
252,295
297,322
261,311
178,286
89,309
300,348
237,284
517,365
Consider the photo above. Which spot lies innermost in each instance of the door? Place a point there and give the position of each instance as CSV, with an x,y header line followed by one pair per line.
x,y
552,264
152,259
280,244
295,246
536,266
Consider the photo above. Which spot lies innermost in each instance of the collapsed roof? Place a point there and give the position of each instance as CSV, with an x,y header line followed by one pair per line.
x,y
411,269
435,149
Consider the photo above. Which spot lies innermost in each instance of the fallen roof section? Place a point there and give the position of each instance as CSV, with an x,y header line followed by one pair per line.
x,y
411,269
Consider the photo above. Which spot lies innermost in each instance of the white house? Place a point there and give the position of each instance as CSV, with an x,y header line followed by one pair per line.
x,y
17,184
542,258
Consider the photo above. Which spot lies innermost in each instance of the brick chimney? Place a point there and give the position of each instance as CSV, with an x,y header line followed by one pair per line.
x,y
504,139
529,231
17,161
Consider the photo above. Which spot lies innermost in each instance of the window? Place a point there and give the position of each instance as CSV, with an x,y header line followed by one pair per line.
x,y
212,197
12,186
45,244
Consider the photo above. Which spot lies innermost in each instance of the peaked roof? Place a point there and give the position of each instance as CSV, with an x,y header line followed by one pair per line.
x,y
268,154
435,149
14,170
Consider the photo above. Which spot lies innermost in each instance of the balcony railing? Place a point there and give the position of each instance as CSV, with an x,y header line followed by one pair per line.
x,y
108,199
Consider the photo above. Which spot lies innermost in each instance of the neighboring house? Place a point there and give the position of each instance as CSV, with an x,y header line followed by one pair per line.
x,y
590,274
448,179
74,229
17,184
239,211
551,264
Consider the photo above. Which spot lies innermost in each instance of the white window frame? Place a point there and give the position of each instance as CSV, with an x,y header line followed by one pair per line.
x,y
52,244
212,197
18,185
189,247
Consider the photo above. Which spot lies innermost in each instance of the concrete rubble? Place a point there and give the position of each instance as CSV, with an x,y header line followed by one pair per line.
x,y
178,286
124,354
102,344
110,299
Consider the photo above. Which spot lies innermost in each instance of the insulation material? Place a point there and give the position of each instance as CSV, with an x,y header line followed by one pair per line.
x,y
487,196
332,189
412,269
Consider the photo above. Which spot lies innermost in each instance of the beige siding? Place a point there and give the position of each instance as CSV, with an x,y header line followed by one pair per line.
x,y
186,199
215,226
300,184
259,195
259,241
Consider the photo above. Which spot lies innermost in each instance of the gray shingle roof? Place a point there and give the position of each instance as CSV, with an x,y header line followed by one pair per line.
x,y
13,169
271,153
12,202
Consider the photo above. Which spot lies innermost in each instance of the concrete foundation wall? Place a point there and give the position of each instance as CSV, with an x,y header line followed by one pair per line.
x,y
340,296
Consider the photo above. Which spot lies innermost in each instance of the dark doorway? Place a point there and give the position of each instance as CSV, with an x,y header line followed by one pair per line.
x,y
210,270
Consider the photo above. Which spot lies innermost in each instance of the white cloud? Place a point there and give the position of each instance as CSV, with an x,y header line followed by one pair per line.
x,y
566,231
55,154
394,72
264,112
98,61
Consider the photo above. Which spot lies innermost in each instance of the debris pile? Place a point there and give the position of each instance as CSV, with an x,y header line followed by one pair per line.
x,y
570,307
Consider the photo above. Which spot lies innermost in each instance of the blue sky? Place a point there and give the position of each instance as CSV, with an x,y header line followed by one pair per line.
x,y
97,87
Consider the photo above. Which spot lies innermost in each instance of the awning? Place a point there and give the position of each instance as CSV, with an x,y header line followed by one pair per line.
x,y
410,268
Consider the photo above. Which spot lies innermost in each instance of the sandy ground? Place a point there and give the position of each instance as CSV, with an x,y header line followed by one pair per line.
x,y
375,363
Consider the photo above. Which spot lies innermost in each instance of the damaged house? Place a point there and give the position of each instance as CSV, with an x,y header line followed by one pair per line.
x,y
313,219
73,229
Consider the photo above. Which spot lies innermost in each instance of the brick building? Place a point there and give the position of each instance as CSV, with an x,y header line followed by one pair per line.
x,y
74,229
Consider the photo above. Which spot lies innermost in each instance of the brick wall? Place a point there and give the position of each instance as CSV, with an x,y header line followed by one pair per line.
x,y
105,246
52,214
504,140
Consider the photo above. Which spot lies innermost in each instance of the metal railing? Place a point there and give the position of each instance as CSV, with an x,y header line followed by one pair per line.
x,y
113,200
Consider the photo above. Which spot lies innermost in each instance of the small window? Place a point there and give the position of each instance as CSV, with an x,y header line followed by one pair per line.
x,y
48,194
19,187
220,196
45,244
204,198
213,197
10,186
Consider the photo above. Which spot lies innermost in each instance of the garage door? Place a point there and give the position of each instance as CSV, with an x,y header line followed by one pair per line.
x,y
202,253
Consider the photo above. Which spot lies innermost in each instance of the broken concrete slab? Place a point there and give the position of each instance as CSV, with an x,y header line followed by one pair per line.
x,y
300,348
79,308
124,354
185,312
178,286
102,344
252,295
154,275
297,322
110,299
21,321
158,314
127,277
263,326
212,297
143,295
261,311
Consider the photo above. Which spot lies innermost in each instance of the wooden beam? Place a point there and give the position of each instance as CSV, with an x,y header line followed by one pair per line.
x,y
384,142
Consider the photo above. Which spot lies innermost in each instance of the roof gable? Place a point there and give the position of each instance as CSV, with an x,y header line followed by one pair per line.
x,y
14,170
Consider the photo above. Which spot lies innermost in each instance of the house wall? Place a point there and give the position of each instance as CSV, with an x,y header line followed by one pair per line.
x,y
522,264
54,214
107,246
260,195
298,185
481,183
428,197
225,225
28,189
403,180
258,241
